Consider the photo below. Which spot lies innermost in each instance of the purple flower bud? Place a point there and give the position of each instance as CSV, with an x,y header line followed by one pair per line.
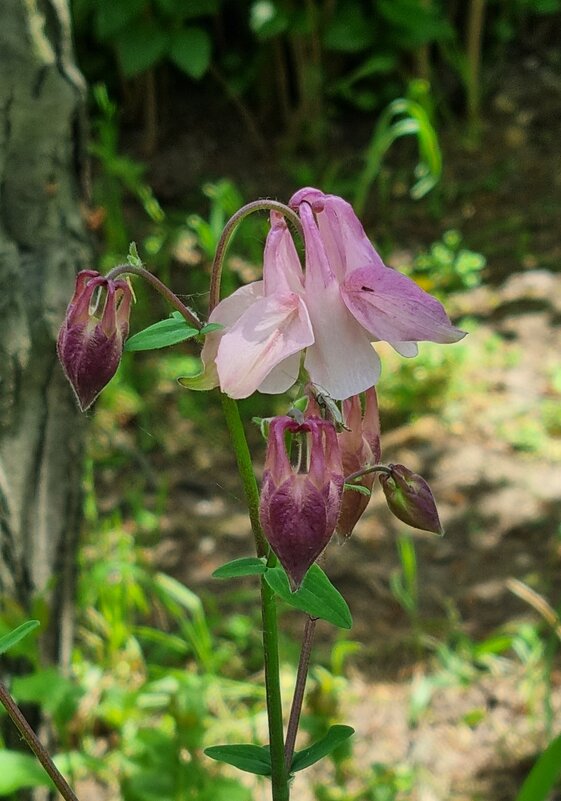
x,y
360,448
410,499
90,340
299,508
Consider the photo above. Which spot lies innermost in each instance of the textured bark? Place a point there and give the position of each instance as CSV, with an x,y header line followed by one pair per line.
x,y
42,245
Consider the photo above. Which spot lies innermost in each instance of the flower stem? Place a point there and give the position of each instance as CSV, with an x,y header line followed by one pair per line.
x,y
35,745
298,699
279,776
376,468
123,269
229,229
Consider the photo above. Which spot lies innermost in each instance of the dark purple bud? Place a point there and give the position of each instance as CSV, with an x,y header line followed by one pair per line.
x,y
91,338
360,448
410,499
300,506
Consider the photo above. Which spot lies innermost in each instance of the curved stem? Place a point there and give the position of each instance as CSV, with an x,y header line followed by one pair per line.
x,y
159,286
298,699
35,745
229,229
376,468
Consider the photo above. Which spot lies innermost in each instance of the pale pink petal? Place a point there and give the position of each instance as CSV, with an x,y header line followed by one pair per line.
x,y
341,362
269,331
227,312
393,308
283,376
282,271
346,245
408,349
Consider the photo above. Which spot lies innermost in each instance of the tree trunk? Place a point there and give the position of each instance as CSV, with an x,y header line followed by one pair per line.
x,y
42,244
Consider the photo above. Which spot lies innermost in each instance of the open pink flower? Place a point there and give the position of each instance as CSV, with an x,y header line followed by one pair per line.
x,y
346,300
354,299
266,326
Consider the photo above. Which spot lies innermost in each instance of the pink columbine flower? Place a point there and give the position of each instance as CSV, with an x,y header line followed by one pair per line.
x,y
90,340
346,300
299,507
359,443
353,299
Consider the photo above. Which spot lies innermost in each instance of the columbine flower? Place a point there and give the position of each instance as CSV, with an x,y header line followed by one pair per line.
x,y
410,498
90,341
353,299
266,326
347,299
299,510
359,443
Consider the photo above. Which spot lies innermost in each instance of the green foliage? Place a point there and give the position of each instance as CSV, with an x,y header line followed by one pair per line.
x,y
447,266
320,749
403,117
13,637
544,775
245,756
144,33
317,596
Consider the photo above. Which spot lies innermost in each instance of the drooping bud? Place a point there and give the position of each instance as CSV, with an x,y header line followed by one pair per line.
x,y
300,505
360,448
410,498
90,340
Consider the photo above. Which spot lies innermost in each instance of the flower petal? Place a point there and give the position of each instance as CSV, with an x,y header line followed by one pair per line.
x,y
282,271
393,308
342,361
283,376
269,331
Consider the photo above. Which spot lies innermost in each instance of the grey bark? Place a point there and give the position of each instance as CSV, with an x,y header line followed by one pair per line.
x,y
43,243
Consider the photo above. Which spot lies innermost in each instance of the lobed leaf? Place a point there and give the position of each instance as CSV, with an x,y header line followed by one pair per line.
x,y
317,596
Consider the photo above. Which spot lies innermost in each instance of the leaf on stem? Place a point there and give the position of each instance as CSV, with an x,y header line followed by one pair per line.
x,y
245,756
246,566
313,753
317,596
161,335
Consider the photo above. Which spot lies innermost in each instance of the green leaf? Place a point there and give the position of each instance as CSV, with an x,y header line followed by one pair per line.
x,y
161,335
18,771
245,756
210,327
13,637
140,46
112,17
191,50
313,753
246,566
317,596
544,774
